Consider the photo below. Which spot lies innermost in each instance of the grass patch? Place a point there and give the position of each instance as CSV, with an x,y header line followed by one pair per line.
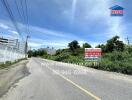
x,y
9,63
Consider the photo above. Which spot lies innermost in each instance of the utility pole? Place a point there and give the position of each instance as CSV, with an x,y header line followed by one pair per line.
x,y
128,41
26,45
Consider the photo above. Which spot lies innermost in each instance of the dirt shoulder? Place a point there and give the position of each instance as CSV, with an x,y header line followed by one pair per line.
x,y
11,75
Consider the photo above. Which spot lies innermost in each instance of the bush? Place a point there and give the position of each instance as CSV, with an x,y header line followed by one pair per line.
x,y
61,57
117,61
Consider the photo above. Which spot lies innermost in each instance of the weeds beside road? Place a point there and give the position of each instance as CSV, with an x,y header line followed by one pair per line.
x,y
7,64
120,62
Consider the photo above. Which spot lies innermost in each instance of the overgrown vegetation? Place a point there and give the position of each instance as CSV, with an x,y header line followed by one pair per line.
x,y
116,57
7,64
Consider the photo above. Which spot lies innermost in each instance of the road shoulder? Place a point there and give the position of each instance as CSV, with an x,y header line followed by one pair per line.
x,y
10,76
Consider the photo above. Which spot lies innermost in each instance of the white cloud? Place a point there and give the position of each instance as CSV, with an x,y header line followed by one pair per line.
x,y
74,4
58,44
52,33
4,26
81,42
116,27
47,31
35,42
96,10
14,32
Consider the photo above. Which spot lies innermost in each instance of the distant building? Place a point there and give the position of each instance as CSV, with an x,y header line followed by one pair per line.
x,y
117,10
50,51
9,42
3,40
13,43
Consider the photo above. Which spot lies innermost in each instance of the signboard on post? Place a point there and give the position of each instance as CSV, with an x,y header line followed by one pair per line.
x,y
93,54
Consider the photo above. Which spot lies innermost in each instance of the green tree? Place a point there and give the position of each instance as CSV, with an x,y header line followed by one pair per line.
x,y
102,46
35,53
59,51
86,45
73,46
41,52
115,44
129,49
30,53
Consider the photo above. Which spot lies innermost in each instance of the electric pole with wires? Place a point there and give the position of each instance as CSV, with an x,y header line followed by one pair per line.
x,y
26,45
128,41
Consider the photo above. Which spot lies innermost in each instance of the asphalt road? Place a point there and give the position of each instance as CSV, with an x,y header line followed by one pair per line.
x,y
50,80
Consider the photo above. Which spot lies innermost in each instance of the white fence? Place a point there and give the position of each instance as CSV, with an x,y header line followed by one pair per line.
x,y
10,54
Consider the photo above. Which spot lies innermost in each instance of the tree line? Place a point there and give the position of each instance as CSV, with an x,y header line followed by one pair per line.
x,y
117,56
113,44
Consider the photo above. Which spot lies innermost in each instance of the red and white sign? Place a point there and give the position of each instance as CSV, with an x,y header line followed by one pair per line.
x,y
117,11
93,52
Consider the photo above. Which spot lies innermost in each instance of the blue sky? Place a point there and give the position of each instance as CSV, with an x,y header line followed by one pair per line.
x,y
55,23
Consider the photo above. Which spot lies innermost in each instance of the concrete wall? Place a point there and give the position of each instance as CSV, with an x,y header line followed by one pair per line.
x,y
9,54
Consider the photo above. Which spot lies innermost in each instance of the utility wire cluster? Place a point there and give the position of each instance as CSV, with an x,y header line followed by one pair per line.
x,y
22,10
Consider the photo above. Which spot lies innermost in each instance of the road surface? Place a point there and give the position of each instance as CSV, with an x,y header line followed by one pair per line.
x,y
50,80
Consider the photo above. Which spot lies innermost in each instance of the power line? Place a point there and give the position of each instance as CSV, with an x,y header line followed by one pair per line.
x,y
23,4
27,23
26,13
19,13
22,7
6,5
23,12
